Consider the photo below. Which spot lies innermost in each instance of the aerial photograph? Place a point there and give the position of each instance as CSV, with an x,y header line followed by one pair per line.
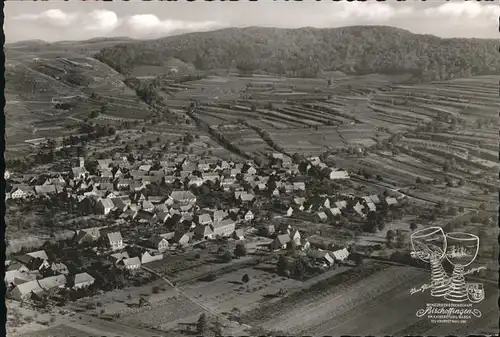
x,y
313,168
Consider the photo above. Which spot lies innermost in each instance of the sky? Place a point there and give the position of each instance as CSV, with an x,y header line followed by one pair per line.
x,y
80,20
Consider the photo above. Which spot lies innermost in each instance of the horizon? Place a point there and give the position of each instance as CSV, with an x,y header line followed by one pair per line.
x,y
102,38
79,21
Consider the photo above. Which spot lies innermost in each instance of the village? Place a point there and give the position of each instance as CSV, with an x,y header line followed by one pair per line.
x,y
155,209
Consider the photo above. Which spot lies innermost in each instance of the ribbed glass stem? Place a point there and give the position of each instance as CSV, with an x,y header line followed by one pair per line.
x,y
458,289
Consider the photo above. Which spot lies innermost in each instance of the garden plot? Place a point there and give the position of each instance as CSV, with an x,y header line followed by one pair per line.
x,y
228,291
399,167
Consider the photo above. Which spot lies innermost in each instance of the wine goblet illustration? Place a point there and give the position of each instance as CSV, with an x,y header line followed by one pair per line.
x,y
429,245
462,251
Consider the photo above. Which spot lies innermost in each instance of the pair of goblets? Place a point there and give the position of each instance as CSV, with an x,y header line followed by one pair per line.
x,y
432,245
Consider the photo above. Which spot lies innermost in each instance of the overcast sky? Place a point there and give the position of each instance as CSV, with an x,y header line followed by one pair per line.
x,y
77,20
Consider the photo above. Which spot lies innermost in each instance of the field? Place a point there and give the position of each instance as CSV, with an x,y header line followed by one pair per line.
x,y
377,304
39,77
435,143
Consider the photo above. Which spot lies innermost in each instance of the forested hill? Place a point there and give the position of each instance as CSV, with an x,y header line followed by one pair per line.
x,y
307,51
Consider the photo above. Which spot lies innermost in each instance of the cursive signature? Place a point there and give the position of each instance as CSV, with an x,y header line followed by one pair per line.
x,y
474,270
422,288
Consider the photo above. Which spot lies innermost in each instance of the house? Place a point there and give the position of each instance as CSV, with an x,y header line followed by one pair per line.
x,y
289,212
79,172
371,206
182,238
16,277
341,204
133,263
314,161
195,181
52,282
224,228
106,174
299,201
157,173
88,234
320,242
375,199
296,237
203,165
334,212
21,192
137,186
121,204
115,240
103,164
182,197
219,215
106,187
168,236
285,228
18,266
251,170
146,257
83,280
123,184
147,206
25,290
162,217
249,216
280,242
59,268
246,197
45,190
269,230
136,174
156,199
321,256
299,186
390,201
117,257
104,206
203,232
340,254
204,219
321,216
145,168
158,243
239,234
144,216
40,254
286,161
358,208
146,180
336,175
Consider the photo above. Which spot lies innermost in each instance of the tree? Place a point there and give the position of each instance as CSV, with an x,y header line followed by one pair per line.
x,y
413,226
282,265
240,250
418,180
245,278
128,148
201,325
390,236
217,327
94,114
482,206
225,255
300,268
